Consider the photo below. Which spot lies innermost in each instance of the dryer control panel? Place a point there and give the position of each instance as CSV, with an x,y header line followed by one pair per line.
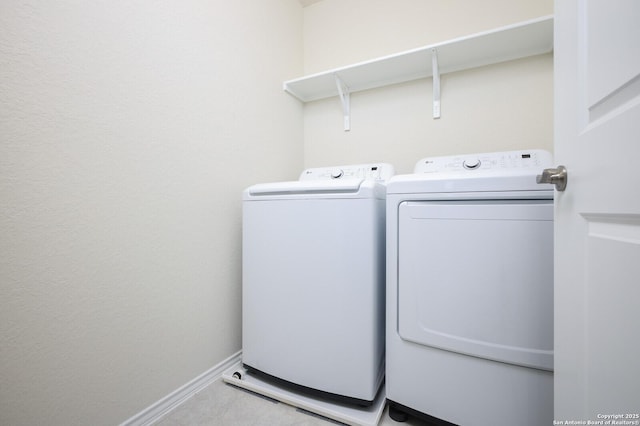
x,y
379,172
534,159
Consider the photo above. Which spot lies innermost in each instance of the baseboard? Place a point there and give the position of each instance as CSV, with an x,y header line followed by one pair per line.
x,y
156,411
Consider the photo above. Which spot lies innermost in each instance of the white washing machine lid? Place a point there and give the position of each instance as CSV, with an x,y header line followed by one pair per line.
x,y
349,181
345,188
379,172
488,172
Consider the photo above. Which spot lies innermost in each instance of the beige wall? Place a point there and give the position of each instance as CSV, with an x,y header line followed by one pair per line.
x,y
127,132
493,108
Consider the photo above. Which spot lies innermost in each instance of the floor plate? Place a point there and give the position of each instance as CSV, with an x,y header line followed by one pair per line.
x,y
351,415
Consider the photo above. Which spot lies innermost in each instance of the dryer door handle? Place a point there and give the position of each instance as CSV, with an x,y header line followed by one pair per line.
x,y
557,177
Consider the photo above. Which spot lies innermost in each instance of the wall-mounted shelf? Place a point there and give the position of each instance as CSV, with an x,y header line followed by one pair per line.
x,y
515,41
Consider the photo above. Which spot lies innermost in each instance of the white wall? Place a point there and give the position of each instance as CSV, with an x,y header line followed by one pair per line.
x,y
127,132
493,108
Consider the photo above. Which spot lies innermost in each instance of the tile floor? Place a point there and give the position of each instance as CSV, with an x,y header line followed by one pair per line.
x,y
221,404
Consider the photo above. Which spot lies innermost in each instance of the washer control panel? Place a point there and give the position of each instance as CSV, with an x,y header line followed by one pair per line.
x,y
380,172
535,159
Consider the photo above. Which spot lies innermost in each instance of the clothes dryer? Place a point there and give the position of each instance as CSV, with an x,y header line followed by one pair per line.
x,y
470,290
313,281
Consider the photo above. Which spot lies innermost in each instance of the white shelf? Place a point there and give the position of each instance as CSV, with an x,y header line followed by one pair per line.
x,y
516,41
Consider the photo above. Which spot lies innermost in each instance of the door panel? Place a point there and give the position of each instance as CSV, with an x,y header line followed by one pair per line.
x,y
613,268
476,277
609,71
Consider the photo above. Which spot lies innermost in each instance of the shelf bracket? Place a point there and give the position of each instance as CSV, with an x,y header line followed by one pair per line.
x,y
436,83
345,98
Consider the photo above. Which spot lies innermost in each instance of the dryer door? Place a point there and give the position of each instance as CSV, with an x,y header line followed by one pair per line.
x,y
476,277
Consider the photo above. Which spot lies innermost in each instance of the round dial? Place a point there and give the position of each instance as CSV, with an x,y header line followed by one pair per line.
x,y
471,163
336,173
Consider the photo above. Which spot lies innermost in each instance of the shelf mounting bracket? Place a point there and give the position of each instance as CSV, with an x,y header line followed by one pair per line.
x,y
345,98
436,83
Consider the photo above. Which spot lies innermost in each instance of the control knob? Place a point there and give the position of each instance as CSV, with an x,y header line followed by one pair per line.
x,y
471,163
336,173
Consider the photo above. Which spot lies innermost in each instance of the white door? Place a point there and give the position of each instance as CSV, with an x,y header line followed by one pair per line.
x,y
597,218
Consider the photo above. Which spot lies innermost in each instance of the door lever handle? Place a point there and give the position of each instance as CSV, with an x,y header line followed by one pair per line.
x,y
557,177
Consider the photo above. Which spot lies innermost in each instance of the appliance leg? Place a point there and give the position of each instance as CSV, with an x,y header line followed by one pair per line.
x,y
397,415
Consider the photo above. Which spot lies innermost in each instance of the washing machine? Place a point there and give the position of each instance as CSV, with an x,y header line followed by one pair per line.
x,y
314,281
470,290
